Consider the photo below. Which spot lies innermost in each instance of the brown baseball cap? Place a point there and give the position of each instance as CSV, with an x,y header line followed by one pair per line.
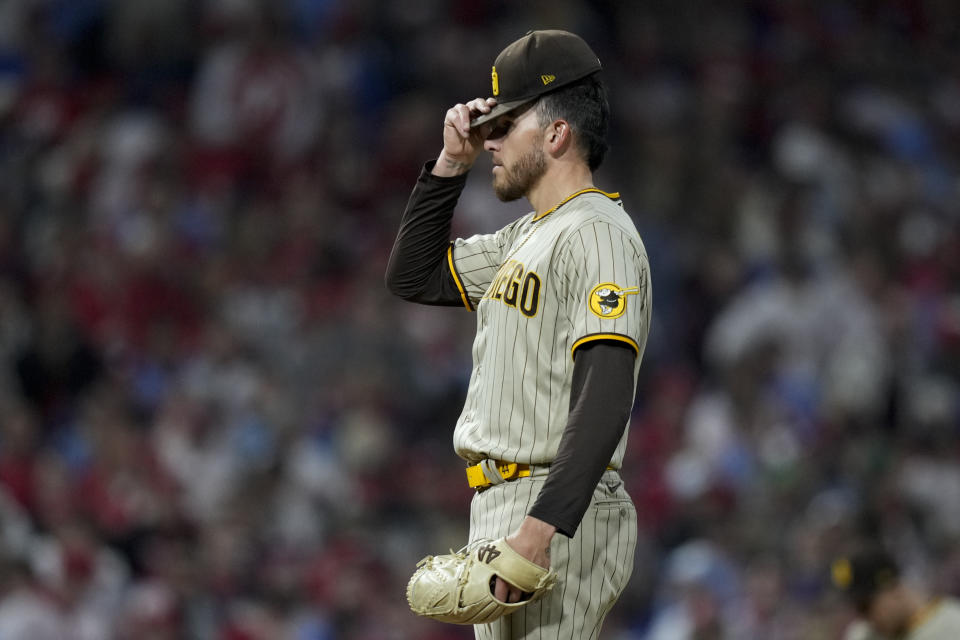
x,y
864,574
537,63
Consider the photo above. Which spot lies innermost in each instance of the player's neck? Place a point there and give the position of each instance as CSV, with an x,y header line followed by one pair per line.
x,y
559,182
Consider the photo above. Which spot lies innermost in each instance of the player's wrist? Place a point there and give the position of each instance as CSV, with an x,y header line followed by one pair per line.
x,y
536,527
450,165
532,540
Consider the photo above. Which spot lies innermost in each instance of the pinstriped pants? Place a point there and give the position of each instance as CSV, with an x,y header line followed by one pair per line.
x,y
594,565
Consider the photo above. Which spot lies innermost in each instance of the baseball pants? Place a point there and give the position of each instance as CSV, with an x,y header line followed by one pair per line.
x,y
593,566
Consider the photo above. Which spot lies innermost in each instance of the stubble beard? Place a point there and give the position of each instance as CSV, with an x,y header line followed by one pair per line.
x,y
516,182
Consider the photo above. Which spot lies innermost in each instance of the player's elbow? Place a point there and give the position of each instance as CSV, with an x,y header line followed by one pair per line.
x,y
393,279
396,288
400,286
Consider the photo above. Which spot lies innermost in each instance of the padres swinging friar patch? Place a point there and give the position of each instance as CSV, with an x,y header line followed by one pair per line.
x,y
609,300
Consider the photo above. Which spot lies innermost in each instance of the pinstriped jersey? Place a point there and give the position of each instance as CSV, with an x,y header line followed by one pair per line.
x,y
939,620
542,286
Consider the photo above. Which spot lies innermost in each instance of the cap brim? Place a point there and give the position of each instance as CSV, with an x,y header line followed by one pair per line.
x,y
499,110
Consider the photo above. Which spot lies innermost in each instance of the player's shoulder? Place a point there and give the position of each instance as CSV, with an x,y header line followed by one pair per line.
x,y
943,619
594,202
599,217
596,207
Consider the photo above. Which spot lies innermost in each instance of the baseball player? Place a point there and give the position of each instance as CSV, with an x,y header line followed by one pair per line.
x,y
562,297
889,609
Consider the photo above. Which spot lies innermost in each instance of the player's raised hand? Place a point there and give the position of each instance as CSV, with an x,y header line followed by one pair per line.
x,y
461,144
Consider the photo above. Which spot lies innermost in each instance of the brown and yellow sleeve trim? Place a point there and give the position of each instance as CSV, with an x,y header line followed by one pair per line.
x,y
456,280
605,336
612,196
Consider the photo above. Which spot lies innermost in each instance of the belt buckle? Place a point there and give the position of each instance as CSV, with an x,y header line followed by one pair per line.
x,y
477,479
508,470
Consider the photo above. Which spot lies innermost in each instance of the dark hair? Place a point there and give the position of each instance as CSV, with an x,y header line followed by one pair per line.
x,y
584,105
864,574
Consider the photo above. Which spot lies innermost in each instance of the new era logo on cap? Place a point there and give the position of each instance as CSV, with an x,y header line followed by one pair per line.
x,y
539,62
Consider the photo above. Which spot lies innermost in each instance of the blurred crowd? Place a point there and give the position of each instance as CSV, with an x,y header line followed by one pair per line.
x,y
216,423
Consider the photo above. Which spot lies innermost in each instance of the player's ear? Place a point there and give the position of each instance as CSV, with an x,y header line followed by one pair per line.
x,y
558,137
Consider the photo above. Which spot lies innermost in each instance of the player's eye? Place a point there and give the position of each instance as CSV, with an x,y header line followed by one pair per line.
x,y
500,130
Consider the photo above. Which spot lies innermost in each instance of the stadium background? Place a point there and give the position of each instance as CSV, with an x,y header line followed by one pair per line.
x,y
216,423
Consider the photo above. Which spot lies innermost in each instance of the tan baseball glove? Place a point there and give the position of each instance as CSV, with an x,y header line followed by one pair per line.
x,y
458,587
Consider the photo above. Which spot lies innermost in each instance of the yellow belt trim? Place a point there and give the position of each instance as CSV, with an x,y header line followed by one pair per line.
x,y
509,470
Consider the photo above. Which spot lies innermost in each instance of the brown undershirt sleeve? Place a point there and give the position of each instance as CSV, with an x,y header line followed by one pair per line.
x,y
418,269
601,398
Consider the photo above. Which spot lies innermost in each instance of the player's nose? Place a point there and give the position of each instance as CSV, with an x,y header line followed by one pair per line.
x,y
492,144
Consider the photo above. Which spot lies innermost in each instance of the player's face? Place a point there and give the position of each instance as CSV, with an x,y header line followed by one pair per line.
x,y
520,176
518,158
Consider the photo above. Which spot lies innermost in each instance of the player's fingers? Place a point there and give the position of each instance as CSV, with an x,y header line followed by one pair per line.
x,y
458,117
480,105
454,118
501,591
462,121
506,592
